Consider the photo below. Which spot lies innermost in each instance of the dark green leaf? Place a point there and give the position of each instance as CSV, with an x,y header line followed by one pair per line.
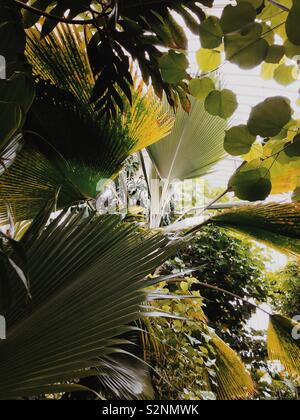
x,y
211,33
275,54
238,140
222,103
292,23
293,148
173,67
236,17
252,182
246,48
268,118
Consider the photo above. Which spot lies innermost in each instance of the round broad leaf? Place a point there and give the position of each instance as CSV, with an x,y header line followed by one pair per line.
x,y
291,50
238,141
269,117
293,148
275,54
211,34
236,17
200,88
292,23
10,121
208,60
246,48
173,67
296,194
252,182
222,103
285,75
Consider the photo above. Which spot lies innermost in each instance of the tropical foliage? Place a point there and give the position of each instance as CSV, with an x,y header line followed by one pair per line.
x,y
116,306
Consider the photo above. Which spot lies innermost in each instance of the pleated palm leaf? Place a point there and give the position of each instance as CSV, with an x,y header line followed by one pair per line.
x,y
192,148
67,142
234,381
87,278
284,343
232,378
62,59
276,225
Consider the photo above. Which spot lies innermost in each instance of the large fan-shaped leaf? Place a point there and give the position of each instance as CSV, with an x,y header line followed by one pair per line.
x,y
277,225
193,147
62,59
67,142
87,285
284,343
234,381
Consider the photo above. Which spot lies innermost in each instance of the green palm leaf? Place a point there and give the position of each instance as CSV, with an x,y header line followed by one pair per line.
x,y
67,143
234,381
86,280
194,146
277,225
191,150
282,345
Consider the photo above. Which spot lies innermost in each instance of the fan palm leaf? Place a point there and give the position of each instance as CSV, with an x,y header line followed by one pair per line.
x,y
282,345
75,148
191,150
87,279
62,59
232,378
193,147
276,225
234,381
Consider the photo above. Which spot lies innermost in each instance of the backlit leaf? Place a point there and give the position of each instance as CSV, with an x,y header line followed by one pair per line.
x,y
222,103
269,117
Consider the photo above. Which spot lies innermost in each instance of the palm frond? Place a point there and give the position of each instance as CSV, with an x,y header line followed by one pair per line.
x,y
31,181
284,343
276,225
193,147
75,147
234,381
62,59
87,279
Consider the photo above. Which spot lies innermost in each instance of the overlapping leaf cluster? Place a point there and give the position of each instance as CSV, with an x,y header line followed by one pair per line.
x,y
251,34
118,30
